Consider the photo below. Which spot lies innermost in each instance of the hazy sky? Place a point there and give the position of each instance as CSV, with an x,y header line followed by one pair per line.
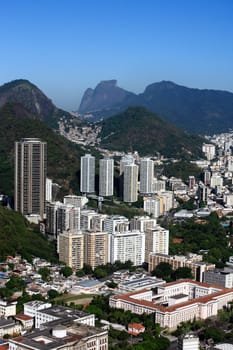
x,y
66,46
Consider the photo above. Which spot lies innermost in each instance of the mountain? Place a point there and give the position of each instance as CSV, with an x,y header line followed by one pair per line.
x,y
194,110
107,97
32,99
141,130
17,236
63,156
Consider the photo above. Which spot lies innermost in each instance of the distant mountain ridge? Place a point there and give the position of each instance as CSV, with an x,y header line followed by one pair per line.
x,y
32,99
195,110
106,96
139,129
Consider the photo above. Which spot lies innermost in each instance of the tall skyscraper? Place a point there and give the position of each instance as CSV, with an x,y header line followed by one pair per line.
x,y
146,175
87,181
30,176
130,193
106,169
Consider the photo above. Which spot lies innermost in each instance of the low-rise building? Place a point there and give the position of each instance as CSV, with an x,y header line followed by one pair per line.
x,y
221,278
176,302
7,309
58,312
62,335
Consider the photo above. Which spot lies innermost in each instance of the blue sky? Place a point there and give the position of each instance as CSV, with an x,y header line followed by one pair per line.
x,y
66,46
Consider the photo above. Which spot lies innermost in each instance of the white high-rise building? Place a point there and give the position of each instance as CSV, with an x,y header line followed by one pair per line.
x,y
87,179
146,175
130,193
126,160
151,205
128,245
116,223
106,171
30,176
49,187
156,241
209,150
142,223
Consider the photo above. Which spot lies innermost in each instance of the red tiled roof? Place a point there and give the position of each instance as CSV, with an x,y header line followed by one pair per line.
x,y
128,297
23,317
137,326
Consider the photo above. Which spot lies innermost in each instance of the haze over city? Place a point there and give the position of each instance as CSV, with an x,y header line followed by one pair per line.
x,y
65,47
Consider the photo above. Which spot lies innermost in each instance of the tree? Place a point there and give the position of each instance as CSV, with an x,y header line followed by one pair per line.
x,y
52,293
66,271
163,270
45,273
182,272
87,269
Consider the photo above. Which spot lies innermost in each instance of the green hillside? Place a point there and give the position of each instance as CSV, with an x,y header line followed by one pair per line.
x,y
18,237
141,130
63,156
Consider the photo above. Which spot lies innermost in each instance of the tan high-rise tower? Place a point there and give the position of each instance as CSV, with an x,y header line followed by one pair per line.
x,y
30,176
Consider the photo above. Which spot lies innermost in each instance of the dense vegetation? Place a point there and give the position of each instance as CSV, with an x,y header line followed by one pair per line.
x,y
141,130
208,235
182,169
63,156
18,237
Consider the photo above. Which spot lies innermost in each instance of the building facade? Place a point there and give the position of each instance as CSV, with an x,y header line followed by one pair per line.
x,y
106,171
30,176
130,185
146,175
87,178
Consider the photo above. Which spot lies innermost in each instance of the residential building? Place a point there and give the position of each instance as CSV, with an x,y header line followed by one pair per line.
x,y
51,217
7,309
116,223
71,248
156,241
209,150
49,187
128,245
126,160
106,172
146,175
142,223
159,185
96,248
151,205
87,177
193,261
130,185
30,176
68,218
166,199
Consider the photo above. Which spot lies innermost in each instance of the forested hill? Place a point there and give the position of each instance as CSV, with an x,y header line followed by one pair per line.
x,y
33,100
18,237
63,156
141,130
